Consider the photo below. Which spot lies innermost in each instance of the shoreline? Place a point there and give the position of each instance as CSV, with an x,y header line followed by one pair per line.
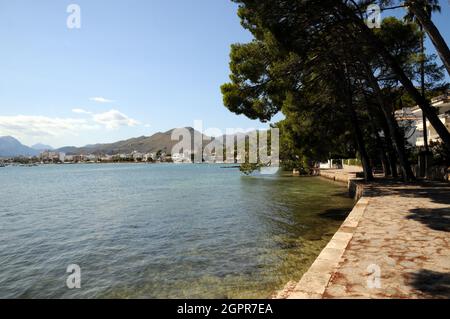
x,y
313,282
397,235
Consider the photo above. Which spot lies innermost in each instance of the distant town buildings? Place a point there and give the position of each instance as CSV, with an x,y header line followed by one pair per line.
x,y
149,157
135,156
218,155
53,157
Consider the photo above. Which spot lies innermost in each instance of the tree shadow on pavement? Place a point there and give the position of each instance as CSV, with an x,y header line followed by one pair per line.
x,y
437,192
432,284
434,218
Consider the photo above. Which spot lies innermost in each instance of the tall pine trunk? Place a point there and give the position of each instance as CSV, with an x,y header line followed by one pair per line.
x,y
388,142
434,34
397,139
380,49
390,148
382,152
359,139
344,82
378,140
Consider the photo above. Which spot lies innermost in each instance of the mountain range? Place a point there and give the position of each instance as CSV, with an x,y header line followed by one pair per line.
x,y
42,147
162,141
11,147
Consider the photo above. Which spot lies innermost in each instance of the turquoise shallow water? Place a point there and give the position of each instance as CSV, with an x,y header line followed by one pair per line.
x,y
160,231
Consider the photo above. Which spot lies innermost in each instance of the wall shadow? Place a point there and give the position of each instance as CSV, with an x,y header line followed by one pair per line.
x,y
335,214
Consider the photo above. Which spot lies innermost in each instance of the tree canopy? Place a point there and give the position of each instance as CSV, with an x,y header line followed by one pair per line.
x,y
336,81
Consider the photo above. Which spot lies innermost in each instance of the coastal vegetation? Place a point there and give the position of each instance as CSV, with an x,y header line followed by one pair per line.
x,y
339,82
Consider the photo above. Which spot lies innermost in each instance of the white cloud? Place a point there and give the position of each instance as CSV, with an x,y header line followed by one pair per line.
x,y
100,99
44,128
113,119
81,111
21,126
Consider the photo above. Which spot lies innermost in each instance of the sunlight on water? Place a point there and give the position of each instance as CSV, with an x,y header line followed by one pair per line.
x,y
160,231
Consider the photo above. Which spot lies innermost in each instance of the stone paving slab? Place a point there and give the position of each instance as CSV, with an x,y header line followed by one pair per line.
x,y
394,244
400,248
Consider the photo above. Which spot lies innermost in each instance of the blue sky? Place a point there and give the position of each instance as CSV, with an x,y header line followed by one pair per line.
x,y
134,68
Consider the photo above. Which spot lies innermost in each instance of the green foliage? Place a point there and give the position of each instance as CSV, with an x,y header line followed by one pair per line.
x,y
441,154
312,61
353,162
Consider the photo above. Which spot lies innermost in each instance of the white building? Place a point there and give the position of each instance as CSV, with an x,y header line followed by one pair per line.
x,y
106,158
137,156
90,158
148,157
413,116
52,156
331,164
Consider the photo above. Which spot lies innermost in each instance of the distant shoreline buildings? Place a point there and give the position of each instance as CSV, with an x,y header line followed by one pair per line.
x,y
135,156
55,157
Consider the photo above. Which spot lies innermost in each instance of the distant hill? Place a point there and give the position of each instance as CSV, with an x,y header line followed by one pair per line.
x,y
152,144
11,147
42,147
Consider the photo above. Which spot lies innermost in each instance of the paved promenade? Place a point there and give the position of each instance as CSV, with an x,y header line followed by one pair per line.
x,y
394,244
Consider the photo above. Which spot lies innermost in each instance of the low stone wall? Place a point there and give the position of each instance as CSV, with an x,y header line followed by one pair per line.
x,y
356,188
315,281
355,185
337,175
352,168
